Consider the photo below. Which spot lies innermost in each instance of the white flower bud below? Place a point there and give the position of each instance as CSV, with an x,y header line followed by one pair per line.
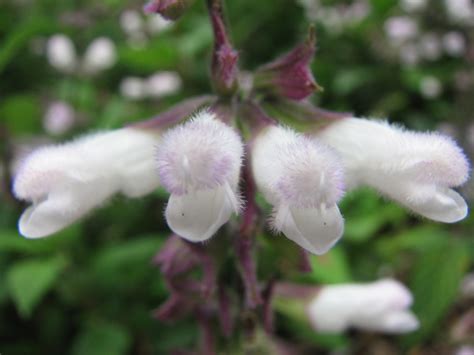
x,y
100,55
65,182
199,164
302,179
416,169
61,53
381,306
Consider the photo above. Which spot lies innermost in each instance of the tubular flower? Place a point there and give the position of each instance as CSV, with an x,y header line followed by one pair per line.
x,y
199,164
418,170
64,182
379,306
302,179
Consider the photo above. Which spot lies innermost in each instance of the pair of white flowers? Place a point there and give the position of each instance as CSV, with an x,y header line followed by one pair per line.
x,y
100,55
199,163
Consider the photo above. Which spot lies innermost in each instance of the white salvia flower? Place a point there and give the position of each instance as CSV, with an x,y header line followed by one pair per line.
x,y
58,118
454,43
163,83
460,10
100,55
413,5
199,164
401,28
302,179
133,88
64,182
430,46
379,306
131,22
61,53
416,169
430,87
157,23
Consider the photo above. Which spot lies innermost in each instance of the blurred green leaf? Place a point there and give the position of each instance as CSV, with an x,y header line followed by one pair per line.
x,y
21,113
435,284
28,281
101,338
330,268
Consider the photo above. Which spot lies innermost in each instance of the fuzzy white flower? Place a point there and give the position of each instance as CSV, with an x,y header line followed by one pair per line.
x,y
199,164
64,182
100,55
302,179
416,169
61,53
379,306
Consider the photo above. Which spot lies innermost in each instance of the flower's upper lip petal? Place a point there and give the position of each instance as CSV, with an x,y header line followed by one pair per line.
x,y
198,215
315,229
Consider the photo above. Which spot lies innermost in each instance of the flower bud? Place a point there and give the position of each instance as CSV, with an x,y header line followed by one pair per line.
x,y
61,53
302,179
381,306
290,75
199,164
169,9
65,182
100,55
416,169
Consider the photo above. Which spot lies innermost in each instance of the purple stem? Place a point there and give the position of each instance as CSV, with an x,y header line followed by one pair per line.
x,y
268,315
245,241
207,333
225,316
305,262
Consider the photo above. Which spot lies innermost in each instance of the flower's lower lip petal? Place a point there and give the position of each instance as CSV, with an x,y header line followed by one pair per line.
x,y
398,322
314,229
44,219
445,205
196,216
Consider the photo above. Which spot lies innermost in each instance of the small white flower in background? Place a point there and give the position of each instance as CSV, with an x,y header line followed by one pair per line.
x,y
413,5
416,169
157,24
59,118
454,44
460,10
61,53
157,85
133,88
430,87
65,182
465,350
400,29
199,164
163,83
302,179
381,306
100,55
131,22
430,46
409,54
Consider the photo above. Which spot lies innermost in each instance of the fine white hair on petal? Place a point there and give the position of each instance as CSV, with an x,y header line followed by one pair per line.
x,y
303,180
100,55
416,169
297,170
379,306
61,53
66,181
203,153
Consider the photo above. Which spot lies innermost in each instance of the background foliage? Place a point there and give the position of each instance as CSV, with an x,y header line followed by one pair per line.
x,y
91,289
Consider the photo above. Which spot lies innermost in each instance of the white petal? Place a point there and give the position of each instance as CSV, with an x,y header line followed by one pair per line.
x,y
444,205
196,216
48,217
398,322
315,229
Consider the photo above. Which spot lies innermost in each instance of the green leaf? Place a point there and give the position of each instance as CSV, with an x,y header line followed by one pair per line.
x,y
29,281
435,284
330,268
100,338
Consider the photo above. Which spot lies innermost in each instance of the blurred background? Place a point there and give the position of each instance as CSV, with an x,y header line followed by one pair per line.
x,y
70,67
